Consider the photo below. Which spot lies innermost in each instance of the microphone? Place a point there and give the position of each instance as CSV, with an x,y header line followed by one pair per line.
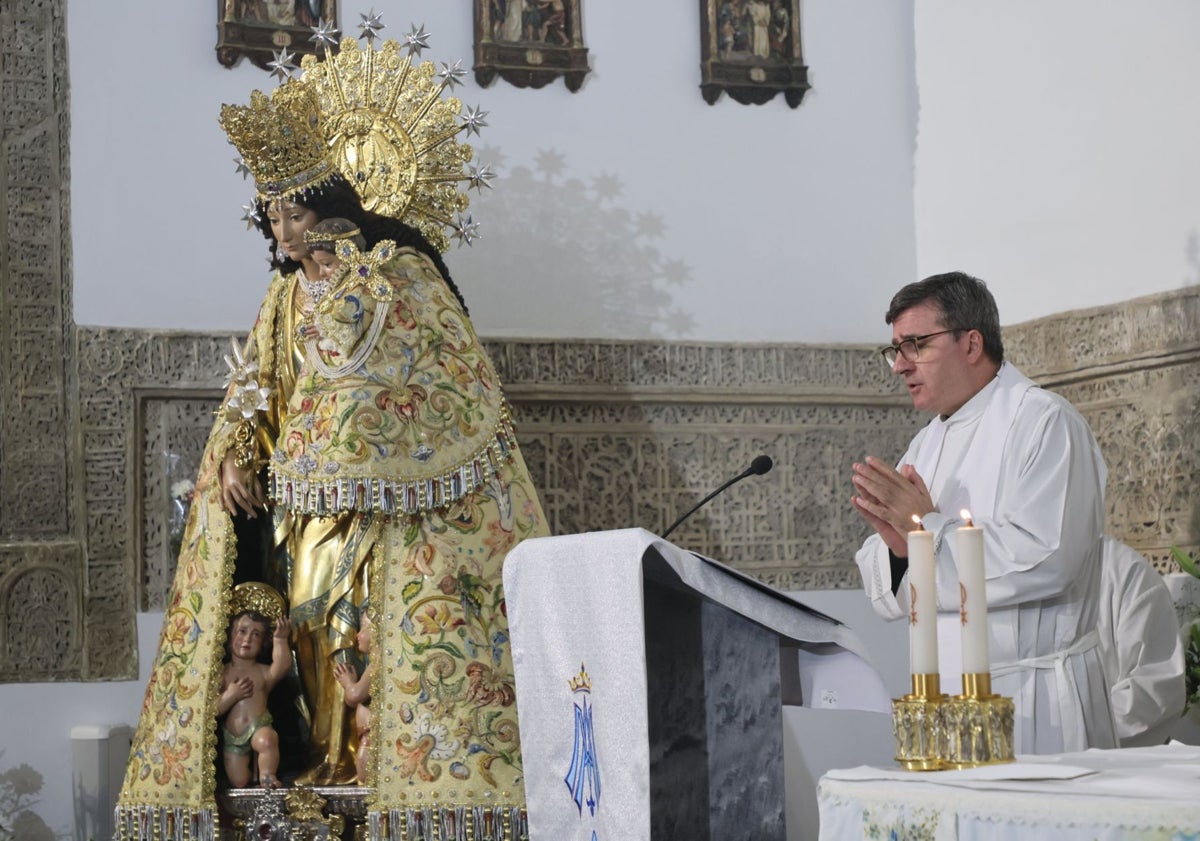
x,y
758,467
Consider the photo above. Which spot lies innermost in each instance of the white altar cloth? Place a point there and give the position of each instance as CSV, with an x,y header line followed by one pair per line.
x,y
1093,795
575,603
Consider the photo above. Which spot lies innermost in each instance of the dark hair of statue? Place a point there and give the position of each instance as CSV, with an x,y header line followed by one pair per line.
x,y
332,226
965,302
337,198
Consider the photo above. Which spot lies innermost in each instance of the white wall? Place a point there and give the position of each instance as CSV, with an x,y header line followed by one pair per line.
x,y
1057,148
37,718
804,212
1054,158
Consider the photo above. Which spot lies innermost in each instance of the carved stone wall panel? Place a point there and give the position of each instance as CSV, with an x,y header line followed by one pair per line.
x,y
616,466
121,372
1147,423
43,627
174,430
638,366
1132,370
35,479
1134,331
41,621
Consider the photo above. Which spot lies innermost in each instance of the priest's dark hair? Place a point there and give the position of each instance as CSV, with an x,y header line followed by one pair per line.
x,y
965,302
336,197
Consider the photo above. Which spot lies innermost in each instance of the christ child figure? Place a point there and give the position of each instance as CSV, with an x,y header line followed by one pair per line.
x,y
357,692
245,685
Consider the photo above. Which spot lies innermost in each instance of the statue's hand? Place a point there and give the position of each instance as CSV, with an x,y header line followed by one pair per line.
x,y
345,673
239,689
240,488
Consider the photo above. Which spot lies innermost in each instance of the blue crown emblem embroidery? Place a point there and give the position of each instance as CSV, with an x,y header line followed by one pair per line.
x,y
583,777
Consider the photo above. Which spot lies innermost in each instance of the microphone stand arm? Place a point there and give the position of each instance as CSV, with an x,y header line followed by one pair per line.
x,y
701,503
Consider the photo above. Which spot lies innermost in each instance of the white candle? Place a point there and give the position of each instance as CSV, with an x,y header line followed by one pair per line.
x,y
972,584
922,591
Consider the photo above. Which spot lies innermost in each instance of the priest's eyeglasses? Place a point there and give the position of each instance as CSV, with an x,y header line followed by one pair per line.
x,y
910,348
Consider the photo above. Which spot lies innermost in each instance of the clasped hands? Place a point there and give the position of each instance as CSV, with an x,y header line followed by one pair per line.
x,y
888,499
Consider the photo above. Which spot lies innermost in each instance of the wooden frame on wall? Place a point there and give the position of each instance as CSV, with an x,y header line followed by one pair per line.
x,y
529,43
750,49
257,29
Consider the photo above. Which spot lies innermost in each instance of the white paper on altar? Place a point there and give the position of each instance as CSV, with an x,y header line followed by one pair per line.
x,y
1084,796
575,601
1161,772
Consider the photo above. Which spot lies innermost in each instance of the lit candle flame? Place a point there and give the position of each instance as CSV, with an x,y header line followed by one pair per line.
x,y
966,515
917,521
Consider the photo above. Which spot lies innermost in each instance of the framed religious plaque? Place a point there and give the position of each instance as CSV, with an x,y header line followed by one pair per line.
x,y
750,49
529,43
257,29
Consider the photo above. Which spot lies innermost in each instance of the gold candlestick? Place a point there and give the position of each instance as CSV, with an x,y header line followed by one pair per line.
x,y
917,724
978,725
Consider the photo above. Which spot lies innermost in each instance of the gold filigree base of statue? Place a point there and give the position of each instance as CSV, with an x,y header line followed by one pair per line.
x,y
327,813
978,725
917,725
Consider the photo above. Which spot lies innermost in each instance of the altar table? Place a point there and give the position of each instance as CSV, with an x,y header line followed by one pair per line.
x,y
1094,795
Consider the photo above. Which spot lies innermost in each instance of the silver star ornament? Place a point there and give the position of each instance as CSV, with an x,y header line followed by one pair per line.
x,y
466,230
282,66
370,26
452,75
416,40
479,176
250,216
473,120
325,34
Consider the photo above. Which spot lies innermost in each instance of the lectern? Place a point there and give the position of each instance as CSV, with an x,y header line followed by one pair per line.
x,y
650,683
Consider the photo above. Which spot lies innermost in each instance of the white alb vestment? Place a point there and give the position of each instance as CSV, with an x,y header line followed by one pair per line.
x,y
1024,463
1140,647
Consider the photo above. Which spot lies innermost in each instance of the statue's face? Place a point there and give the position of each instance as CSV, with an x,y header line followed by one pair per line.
x,y
366,633
327,262
289,221
247,637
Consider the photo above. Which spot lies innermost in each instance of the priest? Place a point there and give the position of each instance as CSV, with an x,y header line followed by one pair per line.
x,y
1026,466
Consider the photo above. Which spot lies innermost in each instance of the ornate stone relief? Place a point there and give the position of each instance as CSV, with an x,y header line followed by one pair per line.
x,y
43,611
1131,369
616,434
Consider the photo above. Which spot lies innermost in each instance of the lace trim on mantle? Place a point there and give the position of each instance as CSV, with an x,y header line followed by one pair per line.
x,y
322,497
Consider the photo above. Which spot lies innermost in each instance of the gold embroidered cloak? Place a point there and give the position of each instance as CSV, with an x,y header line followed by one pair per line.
x,y
409,466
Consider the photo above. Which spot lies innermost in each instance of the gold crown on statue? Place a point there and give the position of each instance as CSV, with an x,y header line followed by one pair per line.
x,y
258,597
392,134
384,124
581,682
280,140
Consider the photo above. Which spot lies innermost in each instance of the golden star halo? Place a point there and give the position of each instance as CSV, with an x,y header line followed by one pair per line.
x,y
391,133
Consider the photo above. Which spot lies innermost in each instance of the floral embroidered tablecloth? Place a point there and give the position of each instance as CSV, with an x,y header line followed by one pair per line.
x,y
1136,794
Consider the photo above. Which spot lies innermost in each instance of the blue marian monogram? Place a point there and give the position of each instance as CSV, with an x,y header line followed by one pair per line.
x,y
583,777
